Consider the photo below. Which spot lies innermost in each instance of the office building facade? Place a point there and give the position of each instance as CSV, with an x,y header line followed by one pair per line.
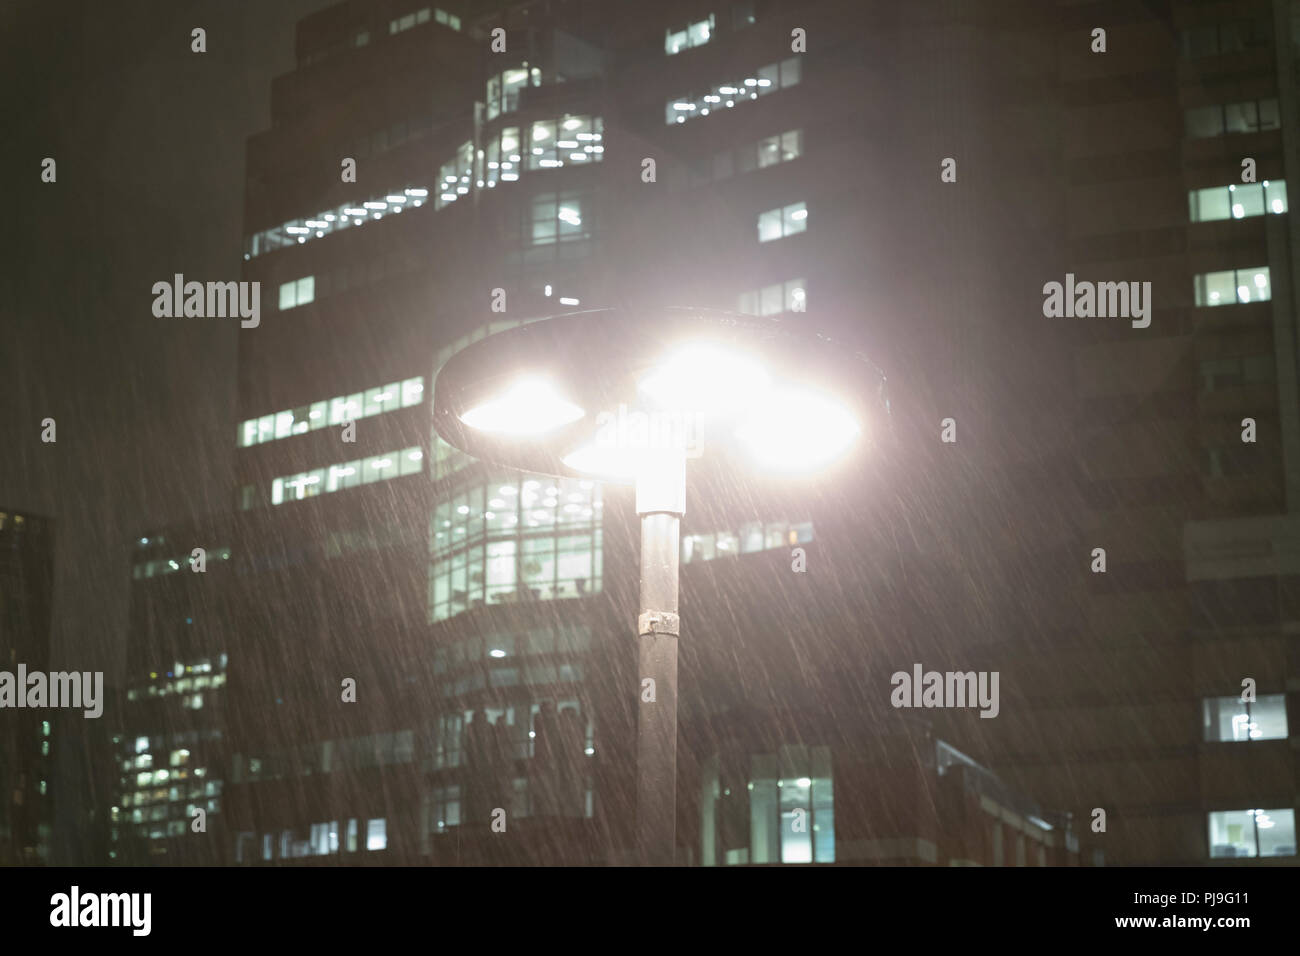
x,y
27,736
168,722
419,640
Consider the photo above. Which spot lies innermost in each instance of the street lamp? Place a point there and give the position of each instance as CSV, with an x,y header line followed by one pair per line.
x,y
628,396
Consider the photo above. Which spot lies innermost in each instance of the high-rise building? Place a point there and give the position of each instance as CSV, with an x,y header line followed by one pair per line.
x,y
422,639
1177,146
27,735
419,640
169,731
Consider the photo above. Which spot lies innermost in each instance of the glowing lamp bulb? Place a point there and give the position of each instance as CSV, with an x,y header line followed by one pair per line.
x,y
706,379
529,407
796,429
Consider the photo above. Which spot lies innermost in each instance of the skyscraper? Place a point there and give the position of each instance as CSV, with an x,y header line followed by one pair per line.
x,y
28,735
1178,143
420,640
169,733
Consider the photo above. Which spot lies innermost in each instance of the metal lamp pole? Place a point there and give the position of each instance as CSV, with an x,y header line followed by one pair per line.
x,y
660,503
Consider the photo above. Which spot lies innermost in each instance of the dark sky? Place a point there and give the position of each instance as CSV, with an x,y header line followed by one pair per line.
x,y
149,141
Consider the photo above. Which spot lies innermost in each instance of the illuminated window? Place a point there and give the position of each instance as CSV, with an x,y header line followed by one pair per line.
x,y
777,149
574,570
779,223
566,140
557,217
410,20
513,540
503,89
377,834
788,296
412,392
298,292
443,809
382,398
782,811
449,731
1228,719
562,141
693,35
324,838
308,484
1237,201
501,566
1252,833
456,176
725,96
503,157
751,537
1232,286
299,231
374,401
769,151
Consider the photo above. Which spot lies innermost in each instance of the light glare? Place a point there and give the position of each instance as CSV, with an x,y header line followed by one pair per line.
x,y
798,430
609,463
529,407
706,379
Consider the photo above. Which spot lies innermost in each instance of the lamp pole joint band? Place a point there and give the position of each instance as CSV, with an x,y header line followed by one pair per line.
x,y
658,622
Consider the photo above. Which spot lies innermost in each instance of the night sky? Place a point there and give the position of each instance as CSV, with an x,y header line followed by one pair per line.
x,y
149,141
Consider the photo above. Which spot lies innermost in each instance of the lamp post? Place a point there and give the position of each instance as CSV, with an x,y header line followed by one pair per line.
x,y
660,503
542,398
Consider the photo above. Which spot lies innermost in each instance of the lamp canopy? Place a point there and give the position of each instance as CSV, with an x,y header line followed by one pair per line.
x,y
588,394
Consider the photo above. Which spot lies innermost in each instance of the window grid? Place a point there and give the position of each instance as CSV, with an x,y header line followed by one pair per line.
x,y
1246,116
421,16
1232,720
1251,833
361,38
779,223
692,35
1232,286
749,538
1236,371
503,89
767,79
556,218
769,151
340,476
457,177
553,143
1237,201
297,292
330,411
788,296
148,569
1222,39
514,540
